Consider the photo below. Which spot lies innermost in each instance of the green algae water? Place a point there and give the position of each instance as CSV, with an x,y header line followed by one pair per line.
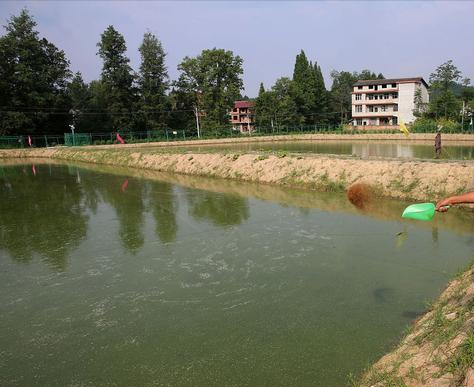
x,y
109,279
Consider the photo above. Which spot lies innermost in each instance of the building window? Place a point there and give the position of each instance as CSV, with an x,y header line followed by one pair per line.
x,y
371,87
359,87
395,95
359,121
395,108
358,109
384,86
383,108
394,121
358,97
234,118
376,109
394,85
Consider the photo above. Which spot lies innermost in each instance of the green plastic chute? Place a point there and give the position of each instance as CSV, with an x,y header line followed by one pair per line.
x,y
419,211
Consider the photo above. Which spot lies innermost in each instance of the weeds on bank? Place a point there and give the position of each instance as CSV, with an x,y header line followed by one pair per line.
x,y
462,360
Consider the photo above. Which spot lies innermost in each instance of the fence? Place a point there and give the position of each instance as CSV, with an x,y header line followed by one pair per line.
x,y
79,139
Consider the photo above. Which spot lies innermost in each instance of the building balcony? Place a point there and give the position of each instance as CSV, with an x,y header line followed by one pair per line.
x,y
374,114
387,90
389,101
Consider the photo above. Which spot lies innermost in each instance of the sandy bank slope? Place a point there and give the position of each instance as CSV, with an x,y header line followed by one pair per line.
x,y
421,180
439,351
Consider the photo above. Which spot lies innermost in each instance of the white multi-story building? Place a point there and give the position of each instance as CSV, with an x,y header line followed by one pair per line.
x,y
379,103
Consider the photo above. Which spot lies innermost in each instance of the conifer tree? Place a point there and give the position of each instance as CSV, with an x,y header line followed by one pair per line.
x,y
153,82
33,74
117,78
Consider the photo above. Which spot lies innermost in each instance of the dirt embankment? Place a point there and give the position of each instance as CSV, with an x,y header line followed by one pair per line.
x,y
414,179
439,350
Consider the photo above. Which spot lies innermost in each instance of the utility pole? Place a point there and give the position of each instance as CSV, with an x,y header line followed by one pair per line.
x,y
462,117
197,121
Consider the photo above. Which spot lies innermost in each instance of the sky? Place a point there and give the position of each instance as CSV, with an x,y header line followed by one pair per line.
x,y
396,38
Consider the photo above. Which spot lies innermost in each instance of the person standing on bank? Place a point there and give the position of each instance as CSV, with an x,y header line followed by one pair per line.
x,y
438,142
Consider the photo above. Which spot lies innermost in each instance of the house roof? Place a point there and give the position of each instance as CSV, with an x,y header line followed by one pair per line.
x,y
365,82
243,104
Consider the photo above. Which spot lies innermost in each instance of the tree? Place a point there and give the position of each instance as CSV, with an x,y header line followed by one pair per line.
x,y
212,81
367,74
153,83
420,106
443,101
341,93
286,111
321,97
33,78
117,78
309,91
79,99
265,108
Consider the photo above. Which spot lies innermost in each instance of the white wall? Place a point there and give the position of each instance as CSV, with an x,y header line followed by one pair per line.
x,y
406,104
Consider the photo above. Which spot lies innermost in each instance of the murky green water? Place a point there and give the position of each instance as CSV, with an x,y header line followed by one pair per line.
x,y
363,149
108,280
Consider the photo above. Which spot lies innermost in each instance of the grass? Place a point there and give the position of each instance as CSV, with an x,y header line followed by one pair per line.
x,y
462,360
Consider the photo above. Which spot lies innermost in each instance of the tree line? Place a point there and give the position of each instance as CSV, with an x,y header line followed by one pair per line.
x,y
39,93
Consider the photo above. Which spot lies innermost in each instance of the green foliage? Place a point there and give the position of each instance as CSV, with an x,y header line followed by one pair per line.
x,y
211,82
153,83
33,78
443,102
341,97
308,91
117,79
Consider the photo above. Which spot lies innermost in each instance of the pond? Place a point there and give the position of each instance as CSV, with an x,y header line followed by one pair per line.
x,y
112,279
393,149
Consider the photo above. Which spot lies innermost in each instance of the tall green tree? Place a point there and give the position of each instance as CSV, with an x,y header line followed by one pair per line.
x,y
117,78
308,90
341,93
303,87
33,77
443,102
211,82
286,110
321,97
265,108
153,83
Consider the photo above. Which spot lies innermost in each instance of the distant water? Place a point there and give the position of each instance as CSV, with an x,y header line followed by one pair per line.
x,y
356,148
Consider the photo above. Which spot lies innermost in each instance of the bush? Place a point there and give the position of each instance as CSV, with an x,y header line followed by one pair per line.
x,y
426,125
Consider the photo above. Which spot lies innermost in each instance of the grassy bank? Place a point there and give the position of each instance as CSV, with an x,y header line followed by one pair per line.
x,y
439,350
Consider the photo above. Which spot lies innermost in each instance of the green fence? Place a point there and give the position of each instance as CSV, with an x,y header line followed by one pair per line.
x,y
79,139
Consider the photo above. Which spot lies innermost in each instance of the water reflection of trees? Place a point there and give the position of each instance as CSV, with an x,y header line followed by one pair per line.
x,y
164,207
221,209
40,215
127,200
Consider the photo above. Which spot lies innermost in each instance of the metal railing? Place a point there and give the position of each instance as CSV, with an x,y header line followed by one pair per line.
x,y
79,139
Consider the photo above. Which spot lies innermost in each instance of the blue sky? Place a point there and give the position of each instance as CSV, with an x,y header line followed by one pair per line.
x,y
397,38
